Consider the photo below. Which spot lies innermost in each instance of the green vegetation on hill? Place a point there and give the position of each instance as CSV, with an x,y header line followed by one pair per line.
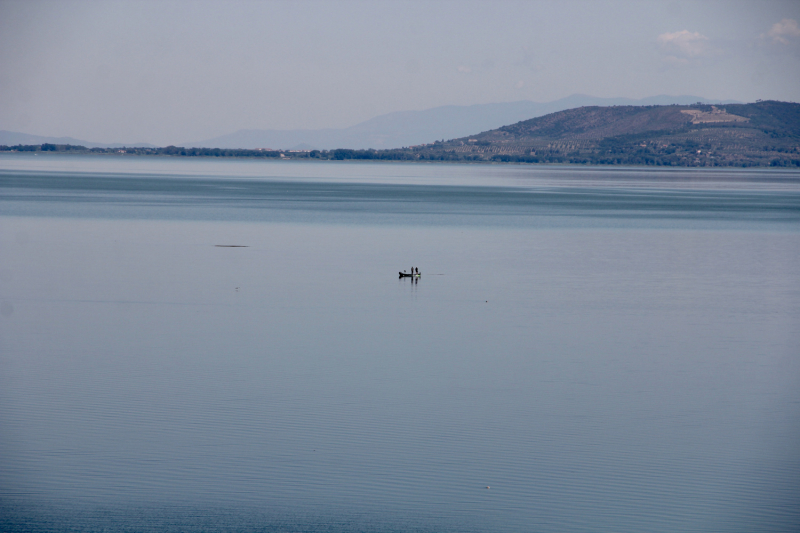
x,y
760,134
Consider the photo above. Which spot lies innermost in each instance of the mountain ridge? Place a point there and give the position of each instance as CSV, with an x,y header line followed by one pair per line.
x,y
390,130
409,128
764,133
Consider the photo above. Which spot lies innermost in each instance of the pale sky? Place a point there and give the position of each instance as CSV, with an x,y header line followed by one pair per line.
x,y
169,72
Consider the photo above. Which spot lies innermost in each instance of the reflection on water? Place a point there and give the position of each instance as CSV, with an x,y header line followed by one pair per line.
x,y
216,349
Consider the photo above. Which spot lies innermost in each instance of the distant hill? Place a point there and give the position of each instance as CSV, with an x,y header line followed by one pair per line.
x,y
409,128
11,138
392,130
762,133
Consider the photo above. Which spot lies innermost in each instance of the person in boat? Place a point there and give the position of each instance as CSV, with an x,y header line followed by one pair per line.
x,y
417,271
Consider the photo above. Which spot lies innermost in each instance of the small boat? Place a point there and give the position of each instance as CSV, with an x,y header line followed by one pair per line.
x,y
404,275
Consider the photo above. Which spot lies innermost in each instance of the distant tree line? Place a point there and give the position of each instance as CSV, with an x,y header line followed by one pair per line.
x,y
614,151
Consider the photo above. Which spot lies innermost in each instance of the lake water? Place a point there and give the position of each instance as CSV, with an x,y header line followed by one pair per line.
x,y
587,350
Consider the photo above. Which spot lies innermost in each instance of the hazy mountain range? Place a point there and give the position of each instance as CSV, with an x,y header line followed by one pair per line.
x,y
392,130
408,128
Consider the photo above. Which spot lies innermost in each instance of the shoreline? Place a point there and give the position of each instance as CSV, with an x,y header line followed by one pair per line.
x,y
366,156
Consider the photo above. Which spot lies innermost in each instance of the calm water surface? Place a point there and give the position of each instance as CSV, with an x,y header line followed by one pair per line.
x,y
609,350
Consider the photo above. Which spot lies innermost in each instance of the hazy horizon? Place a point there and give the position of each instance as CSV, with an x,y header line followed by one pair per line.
x,y
165,73
390,130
